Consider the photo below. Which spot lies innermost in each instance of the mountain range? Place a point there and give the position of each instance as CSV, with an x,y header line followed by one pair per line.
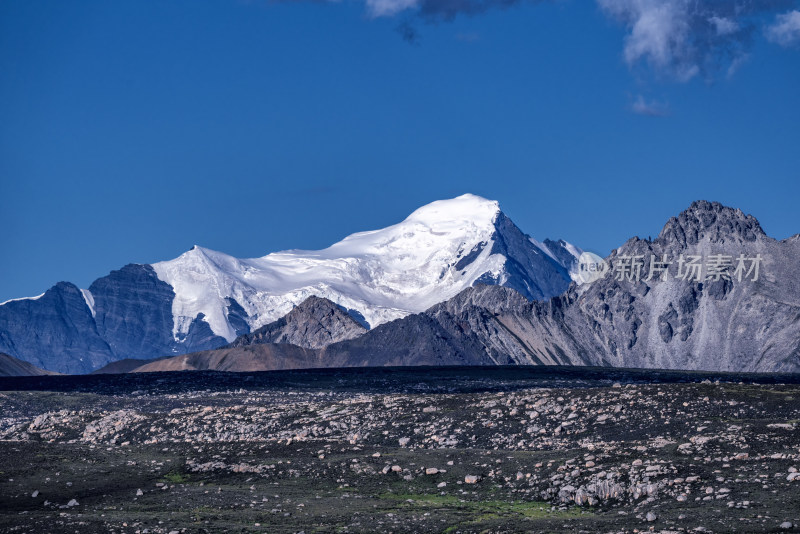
x,y
718,320
205,299
455,283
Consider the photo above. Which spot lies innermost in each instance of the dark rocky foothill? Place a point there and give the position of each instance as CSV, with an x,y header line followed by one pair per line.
x,y
10,366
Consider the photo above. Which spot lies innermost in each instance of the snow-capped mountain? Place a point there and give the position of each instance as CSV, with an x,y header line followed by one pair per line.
x,y
381,275
204,298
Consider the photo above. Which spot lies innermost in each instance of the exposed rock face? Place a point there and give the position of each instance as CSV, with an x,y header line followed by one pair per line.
x,y
125,314
526,269
133,311
728,325
10,366
55,331
314,324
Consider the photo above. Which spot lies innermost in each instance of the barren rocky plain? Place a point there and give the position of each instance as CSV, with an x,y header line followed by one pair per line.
x,y
506,449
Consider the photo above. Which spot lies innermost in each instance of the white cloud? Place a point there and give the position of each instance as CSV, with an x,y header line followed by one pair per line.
x,y
677,39
684,38
388,8
659,33
736,64
651,108
724,25
786,29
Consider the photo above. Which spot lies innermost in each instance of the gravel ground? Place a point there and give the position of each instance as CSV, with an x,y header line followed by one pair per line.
x,y
420,451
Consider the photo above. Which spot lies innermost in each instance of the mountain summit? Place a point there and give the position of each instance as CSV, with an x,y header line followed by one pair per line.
x,y
204,299
712,221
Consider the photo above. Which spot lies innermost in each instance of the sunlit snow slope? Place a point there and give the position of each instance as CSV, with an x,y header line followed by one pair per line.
x,y
381,275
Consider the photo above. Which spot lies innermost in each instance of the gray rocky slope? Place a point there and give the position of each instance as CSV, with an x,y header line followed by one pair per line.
x,y
720,325
313,324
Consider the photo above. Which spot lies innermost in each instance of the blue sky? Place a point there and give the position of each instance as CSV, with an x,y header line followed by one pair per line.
x,y
131,130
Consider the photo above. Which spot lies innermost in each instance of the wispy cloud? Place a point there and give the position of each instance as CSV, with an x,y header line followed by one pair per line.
x,y
388,8
687,38
649,108
677,39
724,25
785,31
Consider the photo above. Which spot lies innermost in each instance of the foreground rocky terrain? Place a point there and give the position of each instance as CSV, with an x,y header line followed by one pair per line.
x,y
457,450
